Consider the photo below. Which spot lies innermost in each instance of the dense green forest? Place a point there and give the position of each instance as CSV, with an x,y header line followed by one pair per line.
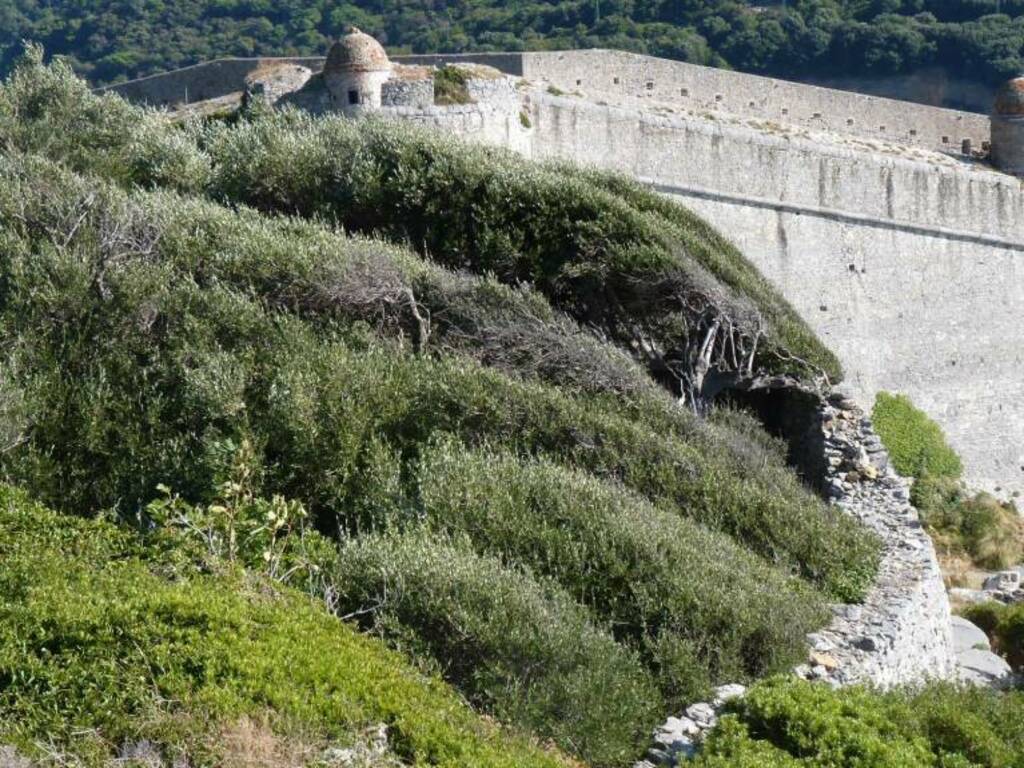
x,y
110,40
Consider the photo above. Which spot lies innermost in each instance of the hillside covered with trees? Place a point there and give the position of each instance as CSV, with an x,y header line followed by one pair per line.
x,y
110,40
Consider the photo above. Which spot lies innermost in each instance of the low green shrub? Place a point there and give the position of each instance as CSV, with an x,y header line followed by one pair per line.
x,y
988,531
660,581
97,649
915,442
1004,624
789,722
450,86
522,650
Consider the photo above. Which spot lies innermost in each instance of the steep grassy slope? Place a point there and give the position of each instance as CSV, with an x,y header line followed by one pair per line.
x,y
99,648
180,364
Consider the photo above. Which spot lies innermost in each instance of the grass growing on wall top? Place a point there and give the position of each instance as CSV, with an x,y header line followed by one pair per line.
x,y
451,86
915,442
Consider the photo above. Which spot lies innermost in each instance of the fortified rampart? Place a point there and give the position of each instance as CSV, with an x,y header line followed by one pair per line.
x,y
600,74
612,75
907,261
910,269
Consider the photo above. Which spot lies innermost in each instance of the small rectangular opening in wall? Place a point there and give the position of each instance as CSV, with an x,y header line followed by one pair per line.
x,y
650,85
985,146
945,139
881,128
684,91
913,131
353,97
849,121
751,104
718,97
816,115
616,81
966,148
579,82
785,111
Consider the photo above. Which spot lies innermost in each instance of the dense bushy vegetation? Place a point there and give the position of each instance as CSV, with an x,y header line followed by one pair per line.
x,y
517,504
977,526
784,723
114,39
611,253
99,649
517,647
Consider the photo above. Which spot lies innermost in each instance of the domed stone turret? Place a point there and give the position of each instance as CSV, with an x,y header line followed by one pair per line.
x,y
1008,128
356,68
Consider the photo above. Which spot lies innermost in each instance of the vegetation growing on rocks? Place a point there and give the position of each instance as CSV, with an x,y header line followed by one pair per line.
x,y
977,526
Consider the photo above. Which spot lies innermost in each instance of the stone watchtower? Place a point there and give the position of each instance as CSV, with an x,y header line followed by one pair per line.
x,y
1008,128
355,72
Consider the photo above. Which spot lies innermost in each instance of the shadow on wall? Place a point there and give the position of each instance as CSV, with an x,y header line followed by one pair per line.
x,y
794,416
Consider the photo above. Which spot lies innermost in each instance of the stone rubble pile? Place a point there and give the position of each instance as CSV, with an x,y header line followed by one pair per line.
x,y
678,737
902,633
1004,587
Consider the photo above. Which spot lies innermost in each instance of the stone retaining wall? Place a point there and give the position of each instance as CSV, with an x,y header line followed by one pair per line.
x,y
902,633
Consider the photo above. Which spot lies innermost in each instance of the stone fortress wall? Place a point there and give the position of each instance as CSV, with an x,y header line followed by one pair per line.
x,y
605,74
208,80
613,74
907,261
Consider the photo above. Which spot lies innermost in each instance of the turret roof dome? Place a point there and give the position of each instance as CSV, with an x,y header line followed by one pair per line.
x,y
1010,99
357,52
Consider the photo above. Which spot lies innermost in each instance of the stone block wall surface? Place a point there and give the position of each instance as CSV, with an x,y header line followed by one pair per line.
x,y
408,93
902,633
602,73
910,268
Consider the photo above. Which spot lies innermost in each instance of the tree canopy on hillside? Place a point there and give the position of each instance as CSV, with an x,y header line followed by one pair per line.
x,y
111,40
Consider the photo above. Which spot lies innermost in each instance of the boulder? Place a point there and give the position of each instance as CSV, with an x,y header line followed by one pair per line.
x,y
984,668
1004,581
968,637
724,693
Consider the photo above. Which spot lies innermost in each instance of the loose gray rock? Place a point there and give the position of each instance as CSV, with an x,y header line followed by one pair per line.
x,y
968,637
1004,581
984,668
